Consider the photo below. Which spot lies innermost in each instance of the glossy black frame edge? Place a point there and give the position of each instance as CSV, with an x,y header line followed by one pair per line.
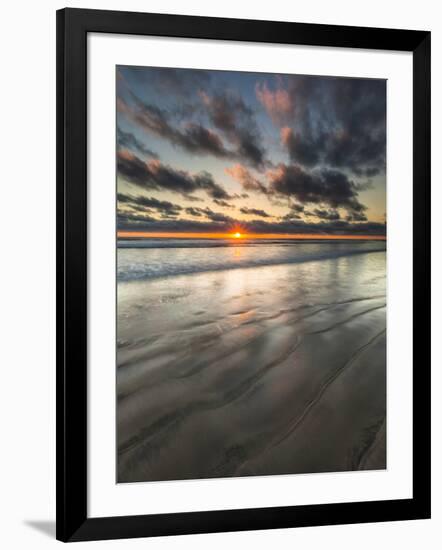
x,y
72,28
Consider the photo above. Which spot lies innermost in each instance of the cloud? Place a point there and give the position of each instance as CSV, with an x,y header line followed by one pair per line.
x,y
133,169
356,217
155,175
331,187
254,212
209,214
192,137
278,103
130,220
229,114
193,198
330,122
194,211
224,224
330,215
297,207
291,216
325,186
300,149
243,176
217,216
195,138
205,181
142,202
126,140
225,204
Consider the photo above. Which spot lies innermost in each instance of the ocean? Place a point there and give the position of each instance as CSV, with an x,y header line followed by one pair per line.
x,y
154,258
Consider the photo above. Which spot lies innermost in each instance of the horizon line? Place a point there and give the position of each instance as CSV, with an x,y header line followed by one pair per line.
x,y
194,235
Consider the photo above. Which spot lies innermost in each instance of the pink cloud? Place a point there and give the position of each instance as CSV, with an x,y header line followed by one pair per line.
x,y
286,135
278,103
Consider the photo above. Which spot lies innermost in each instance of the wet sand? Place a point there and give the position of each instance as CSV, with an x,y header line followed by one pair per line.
x,y
257,371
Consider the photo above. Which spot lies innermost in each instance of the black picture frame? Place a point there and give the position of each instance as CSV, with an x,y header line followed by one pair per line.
x,y
73,26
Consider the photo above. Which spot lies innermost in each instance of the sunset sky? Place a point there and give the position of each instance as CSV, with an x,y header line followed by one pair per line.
x,y
213,152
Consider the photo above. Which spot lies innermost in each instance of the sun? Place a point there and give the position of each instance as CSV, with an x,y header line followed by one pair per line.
x,y
237,235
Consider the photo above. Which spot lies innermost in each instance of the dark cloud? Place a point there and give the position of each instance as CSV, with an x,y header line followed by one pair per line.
x,y
330,215
326,186
358,137
205,181
130,220
209,213
155,175
296,207
192,198
229,114
126,140
356,217
225,204
254,212
127,199
335,122
224,224
230,117
291,216
193,137
194,211
303,150
295,211
139,201
133,169
218,217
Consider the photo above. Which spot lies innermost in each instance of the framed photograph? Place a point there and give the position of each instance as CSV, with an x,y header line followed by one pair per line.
x,y
243,299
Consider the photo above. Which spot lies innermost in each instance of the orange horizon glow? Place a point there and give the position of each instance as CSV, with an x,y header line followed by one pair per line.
x,y
237,235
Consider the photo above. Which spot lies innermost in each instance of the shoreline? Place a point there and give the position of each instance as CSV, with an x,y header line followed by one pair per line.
x,y
250,265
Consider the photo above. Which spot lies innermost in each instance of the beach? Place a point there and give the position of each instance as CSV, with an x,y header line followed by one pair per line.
x,y
250,359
